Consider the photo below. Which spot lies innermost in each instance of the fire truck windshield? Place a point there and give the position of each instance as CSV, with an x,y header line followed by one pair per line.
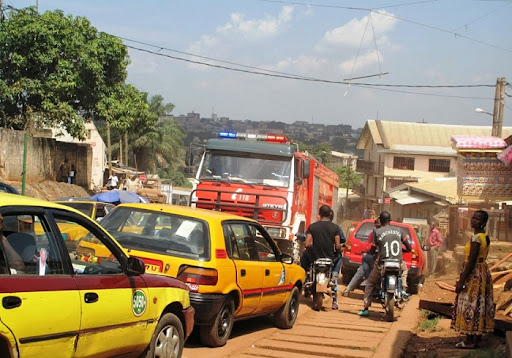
x,y
262,170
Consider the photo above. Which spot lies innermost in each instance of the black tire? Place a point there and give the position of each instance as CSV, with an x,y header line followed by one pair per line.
x,y
390,306
318,299
168,338
287,315
307,293
217,333
414,288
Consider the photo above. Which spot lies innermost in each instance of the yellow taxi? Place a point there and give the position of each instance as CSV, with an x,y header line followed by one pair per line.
x,y
96,210
56,303
231,265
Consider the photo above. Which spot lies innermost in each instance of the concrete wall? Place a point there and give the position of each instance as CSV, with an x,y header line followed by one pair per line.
x,y
44,156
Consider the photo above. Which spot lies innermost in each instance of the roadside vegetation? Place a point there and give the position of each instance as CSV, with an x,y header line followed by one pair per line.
x,y
428,322
58,71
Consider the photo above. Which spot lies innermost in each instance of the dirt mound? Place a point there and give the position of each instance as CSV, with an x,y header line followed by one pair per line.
x,y
51,190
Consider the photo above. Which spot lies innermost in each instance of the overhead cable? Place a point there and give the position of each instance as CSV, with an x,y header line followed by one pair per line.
x,y
366,85
392,16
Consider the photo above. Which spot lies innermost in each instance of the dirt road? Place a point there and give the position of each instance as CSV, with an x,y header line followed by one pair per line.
x,y
325,333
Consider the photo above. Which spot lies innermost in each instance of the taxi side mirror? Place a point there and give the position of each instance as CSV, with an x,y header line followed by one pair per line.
x,y
135,266
286,259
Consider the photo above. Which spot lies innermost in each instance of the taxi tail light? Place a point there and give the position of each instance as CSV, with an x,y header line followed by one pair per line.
x,y
199,276
414,257
348,248
221,254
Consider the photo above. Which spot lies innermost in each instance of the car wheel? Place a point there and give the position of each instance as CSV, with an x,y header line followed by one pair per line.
x,y
287,314
414,288
168,338
217,333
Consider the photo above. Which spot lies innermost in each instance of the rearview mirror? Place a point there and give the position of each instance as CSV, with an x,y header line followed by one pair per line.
x,y
425,248
286,259
135,266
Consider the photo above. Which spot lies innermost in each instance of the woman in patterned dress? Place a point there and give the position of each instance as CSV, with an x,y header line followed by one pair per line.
x,y
474,308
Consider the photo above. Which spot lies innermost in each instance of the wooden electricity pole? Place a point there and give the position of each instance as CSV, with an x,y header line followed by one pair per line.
x,y
499,105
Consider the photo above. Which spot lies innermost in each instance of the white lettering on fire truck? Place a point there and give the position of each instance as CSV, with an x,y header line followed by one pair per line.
x,y
273,206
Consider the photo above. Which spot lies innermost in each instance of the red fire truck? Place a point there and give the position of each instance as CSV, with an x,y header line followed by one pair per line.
x,y
267,178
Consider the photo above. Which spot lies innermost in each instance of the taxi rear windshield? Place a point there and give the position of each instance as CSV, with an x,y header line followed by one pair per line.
x,y
158,232
365,230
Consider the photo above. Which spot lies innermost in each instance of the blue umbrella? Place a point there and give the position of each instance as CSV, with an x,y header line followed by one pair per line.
x,y
119,196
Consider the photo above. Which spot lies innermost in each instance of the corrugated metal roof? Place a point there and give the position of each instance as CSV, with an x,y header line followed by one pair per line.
x,y
444,189
423,150
404,197
390,133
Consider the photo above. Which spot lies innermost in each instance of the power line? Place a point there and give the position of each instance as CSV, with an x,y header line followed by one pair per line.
x,y
481,17
268,72
206,58
392,16
365,85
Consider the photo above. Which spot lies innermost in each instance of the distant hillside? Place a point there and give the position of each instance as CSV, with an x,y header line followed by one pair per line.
x,y
342,137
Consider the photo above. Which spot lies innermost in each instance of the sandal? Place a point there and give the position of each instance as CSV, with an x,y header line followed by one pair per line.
x,y
464,345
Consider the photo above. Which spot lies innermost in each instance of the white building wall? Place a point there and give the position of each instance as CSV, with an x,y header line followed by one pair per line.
x,y
421,165
99,148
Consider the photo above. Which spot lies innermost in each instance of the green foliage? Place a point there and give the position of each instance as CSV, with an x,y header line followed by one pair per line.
x,y
126,109
428,322
53,67
321,151
348,177
177,178
160,146
158,107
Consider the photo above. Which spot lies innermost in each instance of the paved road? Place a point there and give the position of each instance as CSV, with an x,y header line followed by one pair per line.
x,y
325,333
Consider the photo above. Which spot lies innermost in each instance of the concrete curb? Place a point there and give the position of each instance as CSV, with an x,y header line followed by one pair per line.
x,y
394,342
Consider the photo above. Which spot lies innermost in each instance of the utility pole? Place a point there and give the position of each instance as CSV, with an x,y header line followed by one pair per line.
x,y
499,104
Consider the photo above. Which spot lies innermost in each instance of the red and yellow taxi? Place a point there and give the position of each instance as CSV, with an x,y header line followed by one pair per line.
x,y
232,266
57,303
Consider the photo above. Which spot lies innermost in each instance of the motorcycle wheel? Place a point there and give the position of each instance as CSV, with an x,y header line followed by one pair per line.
x,y
390,306
318,299
307,293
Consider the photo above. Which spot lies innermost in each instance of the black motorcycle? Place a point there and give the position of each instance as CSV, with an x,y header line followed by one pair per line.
x,y
318,282
390,295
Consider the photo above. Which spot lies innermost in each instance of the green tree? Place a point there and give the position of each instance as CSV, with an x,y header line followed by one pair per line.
x,y
160,147
158,107
125,111
321,151
55,69
348,177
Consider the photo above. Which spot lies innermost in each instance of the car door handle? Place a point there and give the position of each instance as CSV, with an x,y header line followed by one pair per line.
x,y
11,302
91,297
242,272
267,272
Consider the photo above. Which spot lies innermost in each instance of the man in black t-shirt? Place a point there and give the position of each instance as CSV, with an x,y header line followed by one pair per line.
x,y
388,241
322,240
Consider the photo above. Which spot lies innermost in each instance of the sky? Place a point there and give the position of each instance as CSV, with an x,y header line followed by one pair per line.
x,y
270,60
